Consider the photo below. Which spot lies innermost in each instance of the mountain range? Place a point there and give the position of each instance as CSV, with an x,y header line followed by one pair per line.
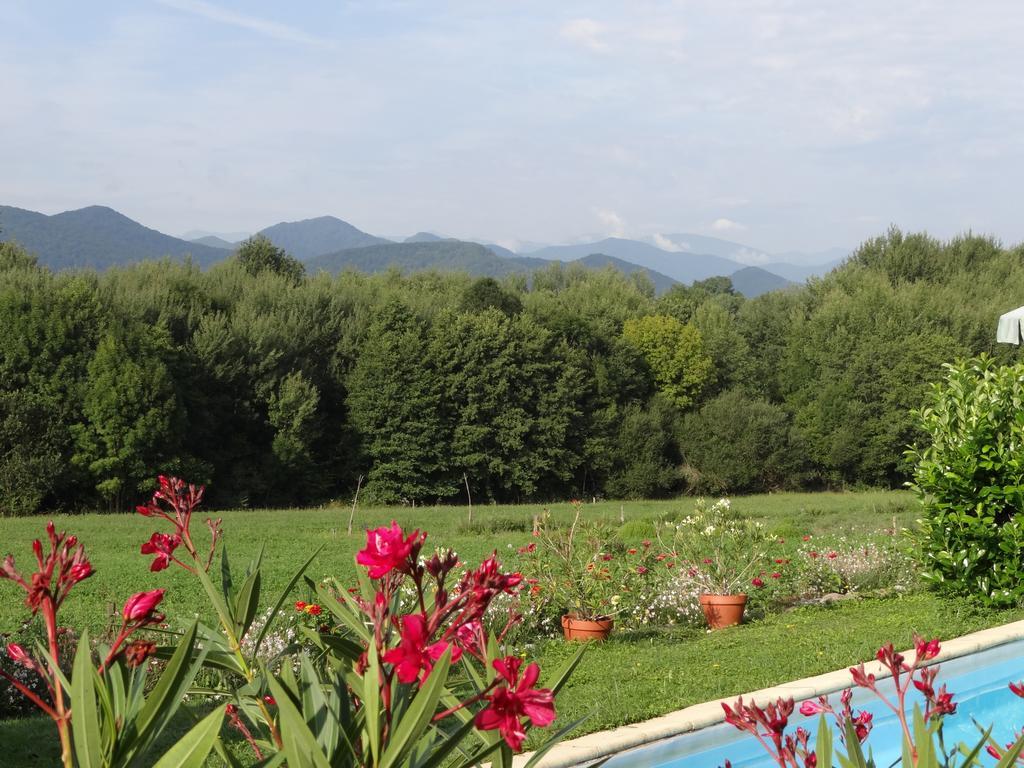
x,y
98,237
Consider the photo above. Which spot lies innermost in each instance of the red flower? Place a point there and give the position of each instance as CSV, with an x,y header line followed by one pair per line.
x,y
606,557
807,538
509,703
647,543
413,656
270,700
641,570
314,610
708,561
811,708
631,551
531,547
388,549
468,635
926,649
163,546
776,575
814,555
488,580
300,605
18,655
79,571
1017,688
140,606
833,555
757,581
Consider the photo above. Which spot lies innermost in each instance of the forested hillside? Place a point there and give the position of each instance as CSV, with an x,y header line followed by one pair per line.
x,y
279,388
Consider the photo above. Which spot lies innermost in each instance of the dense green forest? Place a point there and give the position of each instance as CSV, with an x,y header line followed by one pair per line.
x,y
276,387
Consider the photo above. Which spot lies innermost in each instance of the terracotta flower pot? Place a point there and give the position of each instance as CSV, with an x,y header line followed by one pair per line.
x,y
584,629
723,610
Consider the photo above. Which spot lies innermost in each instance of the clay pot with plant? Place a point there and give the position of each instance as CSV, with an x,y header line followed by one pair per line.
x,y
588,573
722,554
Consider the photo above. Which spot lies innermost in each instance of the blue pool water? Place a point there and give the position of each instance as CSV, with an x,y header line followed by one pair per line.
x,y
979,682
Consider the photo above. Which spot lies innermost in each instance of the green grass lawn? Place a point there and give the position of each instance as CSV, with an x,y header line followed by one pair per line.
x,y
291,535
630,678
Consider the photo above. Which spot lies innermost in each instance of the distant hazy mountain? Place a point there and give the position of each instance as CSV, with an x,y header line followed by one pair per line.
x,y
423,237
753,281
215,242
228,237
600,260
458,256
683,267
715,246
501,251
799,273
453,255
831,256
95,237
314,237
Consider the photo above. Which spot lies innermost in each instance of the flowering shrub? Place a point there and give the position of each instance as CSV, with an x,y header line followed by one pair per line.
x,y
359,677
923,745
723,553
846,567
102,712
584,570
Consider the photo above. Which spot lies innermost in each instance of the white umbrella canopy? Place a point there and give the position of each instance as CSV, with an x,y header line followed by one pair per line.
x,y
1010,327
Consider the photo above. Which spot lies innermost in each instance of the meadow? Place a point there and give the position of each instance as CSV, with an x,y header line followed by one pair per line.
x,y
634,676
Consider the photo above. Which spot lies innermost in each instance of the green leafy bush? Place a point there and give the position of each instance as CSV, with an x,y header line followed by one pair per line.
x,y
968,476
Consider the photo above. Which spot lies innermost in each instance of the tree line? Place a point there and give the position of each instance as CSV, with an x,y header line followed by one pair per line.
x,y
280,388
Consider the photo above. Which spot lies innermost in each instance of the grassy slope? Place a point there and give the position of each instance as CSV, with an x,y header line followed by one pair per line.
x,y
626,680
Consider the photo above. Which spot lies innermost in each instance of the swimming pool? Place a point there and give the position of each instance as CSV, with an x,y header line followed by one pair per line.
x,y
978,681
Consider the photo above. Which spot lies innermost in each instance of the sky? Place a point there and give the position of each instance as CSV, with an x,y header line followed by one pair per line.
x,y
780,124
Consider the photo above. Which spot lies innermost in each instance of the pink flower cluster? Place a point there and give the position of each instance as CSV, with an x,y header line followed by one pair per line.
x,y
175,501
410,644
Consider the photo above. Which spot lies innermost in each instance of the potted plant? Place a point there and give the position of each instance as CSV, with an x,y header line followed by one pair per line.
x,y
721,554
586,573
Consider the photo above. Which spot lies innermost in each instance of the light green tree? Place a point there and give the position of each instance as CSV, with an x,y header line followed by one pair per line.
x,y
675,353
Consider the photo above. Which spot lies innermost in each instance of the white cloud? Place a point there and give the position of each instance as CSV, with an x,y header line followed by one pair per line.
x,y
749,256
668,245
615,225
243,21
586,32
727,225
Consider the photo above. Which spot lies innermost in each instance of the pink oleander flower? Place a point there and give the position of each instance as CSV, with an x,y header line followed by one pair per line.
x,y
388,549
163,546
413,658
926,649
141,606
809,708
60,569
518,698
468,635
18,655
488,580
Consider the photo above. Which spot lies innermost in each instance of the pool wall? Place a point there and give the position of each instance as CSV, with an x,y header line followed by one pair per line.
x,y
595,746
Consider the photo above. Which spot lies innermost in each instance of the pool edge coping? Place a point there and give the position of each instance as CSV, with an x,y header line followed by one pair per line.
x,y
594,746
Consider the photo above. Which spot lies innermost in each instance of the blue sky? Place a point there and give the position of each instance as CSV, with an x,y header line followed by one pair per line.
x,y
785,125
